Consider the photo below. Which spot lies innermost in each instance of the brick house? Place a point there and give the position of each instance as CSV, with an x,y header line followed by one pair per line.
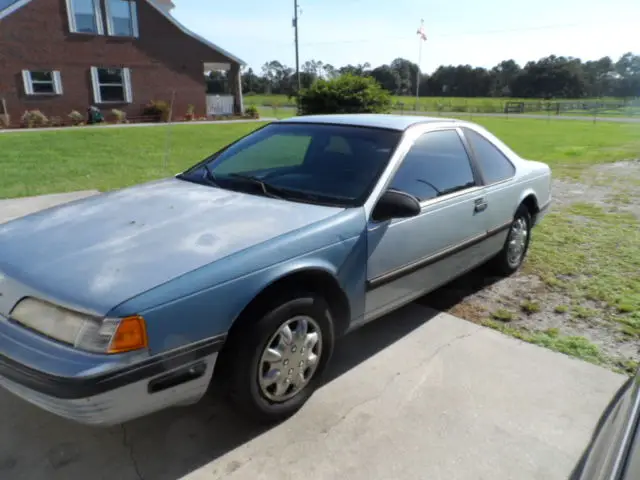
x,y
62,55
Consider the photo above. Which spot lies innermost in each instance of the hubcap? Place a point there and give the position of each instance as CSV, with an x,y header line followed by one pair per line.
x,y
517,241
290,359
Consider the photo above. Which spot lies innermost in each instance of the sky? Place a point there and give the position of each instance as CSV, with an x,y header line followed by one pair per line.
x,y
471,32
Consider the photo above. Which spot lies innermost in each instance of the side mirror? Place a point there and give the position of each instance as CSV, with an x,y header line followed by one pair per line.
x,y
395,204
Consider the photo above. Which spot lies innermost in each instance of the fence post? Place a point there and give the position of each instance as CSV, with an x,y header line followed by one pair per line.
x,y
167,146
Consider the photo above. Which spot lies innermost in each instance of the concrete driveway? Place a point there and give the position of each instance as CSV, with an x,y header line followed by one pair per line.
x,y
414,395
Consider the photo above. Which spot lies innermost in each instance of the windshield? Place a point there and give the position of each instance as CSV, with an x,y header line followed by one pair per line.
x,y
326,164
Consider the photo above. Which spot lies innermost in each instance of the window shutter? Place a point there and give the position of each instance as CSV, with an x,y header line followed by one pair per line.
x,y
57,82
126,75
96,85
71,16
134,18
26,80
99,20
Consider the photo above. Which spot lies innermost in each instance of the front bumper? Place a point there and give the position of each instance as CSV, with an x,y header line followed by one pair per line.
x,y
115,396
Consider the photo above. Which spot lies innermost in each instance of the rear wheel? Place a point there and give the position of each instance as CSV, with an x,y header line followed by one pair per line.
x,y
516,245
274,364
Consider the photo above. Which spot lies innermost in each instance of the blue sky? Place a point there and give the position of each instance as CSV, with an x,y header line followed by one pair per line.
x,y
480,33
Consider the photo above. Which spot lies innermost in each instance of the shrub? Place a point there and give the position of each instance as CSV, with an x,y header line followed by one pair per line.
x,y
250,94
252,112
345,94
56,121
34,119
120,116
190,115
159,110
76,118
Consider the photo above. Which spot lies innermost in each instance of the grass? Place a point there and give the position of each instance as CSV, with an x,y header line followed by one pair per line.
x,y
574,346
503,315
573,253
530,307
36,163
452,104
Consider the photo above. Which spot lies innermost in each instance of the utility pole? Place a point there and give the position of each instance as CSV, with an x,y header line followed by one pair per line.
x,y
295,26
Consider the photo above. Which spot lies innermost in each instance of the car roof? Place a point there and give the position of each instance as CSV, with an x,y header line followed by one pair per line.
x,y
375,120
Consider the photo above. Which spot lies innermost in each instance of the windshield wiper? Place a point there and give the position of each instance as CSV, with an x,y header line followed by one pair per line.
x,y
268,189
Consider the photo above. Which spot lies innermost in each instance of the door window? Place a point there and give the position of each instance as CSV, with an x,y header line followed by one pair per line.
x,y
437,164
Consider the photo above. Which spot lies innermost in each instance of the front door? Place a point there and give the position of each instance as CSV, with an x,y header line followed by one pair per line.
x,y
408,257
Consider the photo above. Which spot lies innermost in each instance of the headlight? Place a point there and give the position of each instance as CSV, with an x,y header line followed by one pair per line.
x,y
85,332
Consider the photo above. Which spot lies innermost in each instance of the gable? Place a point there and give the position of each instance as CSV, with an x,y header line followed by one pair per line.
x,y
7,7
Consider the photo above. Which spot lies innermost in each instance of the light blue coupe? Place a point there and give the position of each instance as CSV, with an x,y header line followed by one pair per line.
x,y
247,267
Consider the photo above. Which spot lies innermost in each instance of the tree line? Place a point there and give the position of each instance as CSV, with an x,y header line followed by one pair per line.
x,y
547,78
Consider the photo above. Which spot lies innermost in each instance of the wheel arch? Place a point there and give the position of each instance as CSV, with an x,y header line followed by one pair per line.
x,y
530,200
310,278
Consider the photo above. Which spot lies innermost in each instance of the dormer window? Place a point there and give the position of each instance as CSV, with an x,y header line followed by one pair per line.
x,y
85,16
122,18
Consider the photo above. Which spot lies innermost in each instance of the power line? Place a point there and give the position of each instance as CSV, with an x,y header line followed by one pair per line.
x,y
436,36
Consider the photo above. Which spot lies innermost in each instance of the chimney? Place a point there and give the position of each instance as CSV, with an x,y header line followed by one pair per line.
x,y
165,5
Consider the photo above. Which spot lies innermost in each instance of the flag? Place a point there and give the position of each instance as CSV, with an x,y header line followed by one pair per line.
x,y
420,32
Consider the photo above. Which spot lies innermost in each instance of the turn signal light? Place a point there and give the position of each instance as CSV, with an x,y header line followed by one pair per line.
x,y
131,334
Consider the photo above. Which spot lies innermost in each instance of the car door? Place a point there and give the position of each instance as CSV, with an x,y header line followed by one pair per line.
x,y
500,192
410,256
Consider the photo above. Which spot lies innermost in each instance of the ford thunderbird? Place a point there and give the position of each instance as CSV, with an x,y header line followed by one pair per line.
x,y
247,267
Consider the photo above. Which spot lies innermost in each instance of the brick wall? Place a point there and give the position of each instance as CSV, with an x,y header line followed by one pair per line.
x,y
162,60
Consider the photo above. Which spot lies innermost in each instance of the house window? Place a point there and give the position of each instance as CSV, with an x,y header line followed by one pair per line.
x,y
111,85
85,16
42,82
122,18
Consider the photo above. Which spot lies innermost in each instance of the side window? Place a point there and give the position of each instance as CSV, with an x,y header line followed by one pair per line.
x,y
436,164
494,165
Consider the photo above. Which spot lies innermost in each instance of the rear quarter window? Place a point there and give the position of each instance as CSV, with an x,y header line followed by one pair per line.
x,y
495,166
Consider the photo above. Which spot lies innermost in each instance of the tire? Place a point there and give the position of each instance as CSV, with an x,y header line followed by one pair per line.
x,y
507,261
248,371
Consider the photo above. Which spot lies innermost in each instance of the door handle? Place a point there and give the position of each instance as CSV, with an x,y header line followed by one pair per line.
x,y
480,205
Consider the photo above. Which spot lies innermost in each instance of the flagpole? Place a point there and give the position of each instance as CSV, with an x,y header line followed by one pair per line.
x,y
418,71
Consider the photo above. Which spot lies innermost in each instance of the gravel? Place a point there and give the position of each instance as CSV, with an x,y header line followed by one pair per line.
x,y
476,296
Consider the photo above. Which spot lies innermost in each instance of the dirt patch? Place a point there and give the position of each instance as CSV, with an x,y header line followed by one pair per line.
x,y
581,279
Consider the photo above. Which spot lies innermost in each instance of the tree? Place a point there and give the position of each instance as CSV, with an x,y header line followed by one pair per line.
x,y
407,73
550,77
387,77
345,94
503,75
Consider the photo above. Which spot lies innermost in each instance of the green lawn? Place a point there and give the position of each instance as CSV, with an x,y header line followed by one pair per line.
x,y
34,163
47,162
458,104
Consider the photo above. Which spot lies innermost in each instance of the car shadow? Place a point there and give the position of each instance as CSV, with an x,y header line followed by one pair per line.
x,y
172,443
226,430
454,293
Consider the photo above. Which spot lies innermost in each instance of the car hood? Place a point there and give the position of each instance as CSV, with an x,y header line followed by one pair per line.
x,y
98,252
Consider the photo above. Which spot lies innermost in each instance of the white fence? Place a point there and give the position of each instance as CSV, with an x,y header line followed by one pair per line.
x,y
219,104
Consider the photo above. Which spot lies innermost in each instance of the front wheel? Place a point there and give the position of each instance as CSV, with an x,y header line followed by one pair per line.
x,y
516,245
277,361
